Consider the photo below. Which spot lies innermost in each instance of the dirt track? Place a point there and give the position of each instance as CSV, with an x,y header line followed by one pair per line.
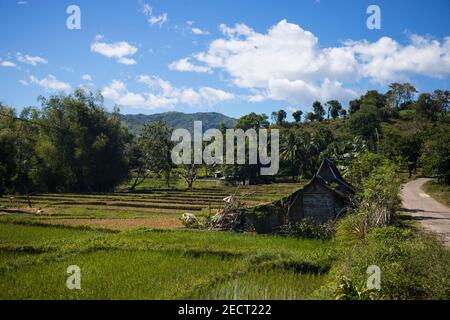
x,y
432,215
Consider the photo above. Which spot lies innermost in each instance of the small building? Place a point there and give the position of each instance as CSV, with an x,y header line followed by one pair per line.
x,y
326,195
324,198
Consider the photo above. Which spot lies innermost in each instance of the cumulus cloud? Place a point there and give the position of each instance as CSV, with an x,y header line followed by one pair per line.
x,y
50,83
161,94
386,60
185,65
299,91
7,64
33,60
287,62
119,51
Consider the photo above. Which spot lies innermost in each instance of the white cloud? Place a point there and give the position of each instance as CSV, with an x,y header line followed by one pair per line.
x,y
7,64
161,94
22,2
147,9
23,82
86,77
159,20
386,60
302,92
199,31
50,83
33,60
239,29
119,51
185,65
287,63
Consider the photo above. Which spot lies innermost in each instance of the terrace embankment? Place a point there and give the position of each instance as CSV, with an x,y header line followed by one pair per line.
x,y
156,208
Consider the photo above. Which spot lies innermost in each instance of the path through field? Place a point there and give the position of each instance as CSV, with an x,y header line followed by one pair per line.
x,y
432,215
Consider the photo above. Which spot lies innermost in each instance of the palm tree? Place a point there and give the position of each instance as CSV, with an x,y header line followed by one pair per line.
x,y
290,151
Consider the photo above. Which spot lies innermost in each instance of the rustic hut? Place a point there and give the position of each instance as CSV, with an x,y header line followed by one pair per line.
x,y
324,198
326,195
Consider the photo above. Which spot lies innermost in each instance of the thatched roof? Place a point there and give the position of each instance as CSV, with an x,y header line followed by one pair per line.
x,y
329,176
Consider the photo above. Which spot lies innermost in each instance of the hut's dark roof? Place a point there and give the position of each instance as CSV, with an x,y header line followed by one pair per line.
x,y
329,175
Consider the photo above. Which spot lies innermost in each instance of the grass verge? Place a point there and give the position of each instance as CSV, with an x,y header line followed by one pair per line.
x,y
438,191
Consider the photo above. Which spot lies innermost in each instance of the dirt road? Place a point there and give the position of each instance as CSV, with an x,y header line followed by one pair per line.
x,y
432,215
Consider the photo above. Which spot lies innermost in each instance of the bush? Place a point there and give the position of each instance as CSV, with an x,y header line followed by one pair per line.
x,y
381,195
350,230
408,114
308,229
412,266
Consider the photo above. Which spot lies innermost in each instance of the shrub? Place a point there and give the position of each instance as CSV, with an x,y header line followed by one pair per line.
x,y
350,230
308,229
408,114
361,167
412,266
345,289
381,195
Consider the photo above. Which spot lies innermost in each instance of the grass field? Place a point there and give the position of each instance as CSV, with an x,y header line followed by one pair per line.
x,y
132,246
152,264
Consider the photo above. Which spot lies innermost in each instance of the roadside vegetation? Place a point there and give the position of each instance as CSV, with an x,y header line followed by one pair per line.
x,y
439,191
413,265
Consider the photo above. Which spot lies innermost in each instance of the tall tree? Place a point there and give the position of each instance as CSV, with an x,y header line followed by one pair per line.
x,y
290,149
442,99
400,94
81,147
297,115
436,154
427,107
334,108
354,106
310,117
319,111
156,147
279,117
252,120
365,123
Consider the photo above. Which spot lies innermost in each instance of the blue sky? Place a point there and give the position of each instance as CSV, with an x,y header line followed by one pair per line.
x,y
225,56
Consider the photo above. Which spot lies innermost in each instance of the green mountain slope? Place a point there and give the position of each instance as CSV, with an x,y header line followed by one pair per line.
x,y
176,120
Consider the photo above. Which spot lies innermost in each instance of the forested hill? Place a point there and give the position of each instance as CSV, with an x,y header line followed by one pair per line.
x,y
175,120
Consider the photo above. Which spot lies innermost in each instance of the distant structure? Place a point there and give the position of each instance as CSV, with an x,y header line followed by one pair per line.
x,y
324,198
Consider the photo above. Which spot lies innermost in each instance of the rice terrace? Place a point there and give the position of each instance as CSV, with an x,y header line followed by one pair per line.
x,y
212,153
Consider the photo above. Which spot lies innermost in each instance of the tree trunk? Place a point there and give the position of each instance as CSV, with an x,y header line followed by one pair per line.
x,y
136,181
28,198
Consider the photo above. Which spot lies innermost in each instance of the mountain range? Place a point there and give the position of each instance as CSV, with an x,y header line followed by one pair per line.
x,y
175,120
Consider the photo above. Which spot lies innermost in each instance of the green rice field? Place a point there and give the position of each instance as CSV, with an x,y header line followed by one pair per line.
x,y
131,245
